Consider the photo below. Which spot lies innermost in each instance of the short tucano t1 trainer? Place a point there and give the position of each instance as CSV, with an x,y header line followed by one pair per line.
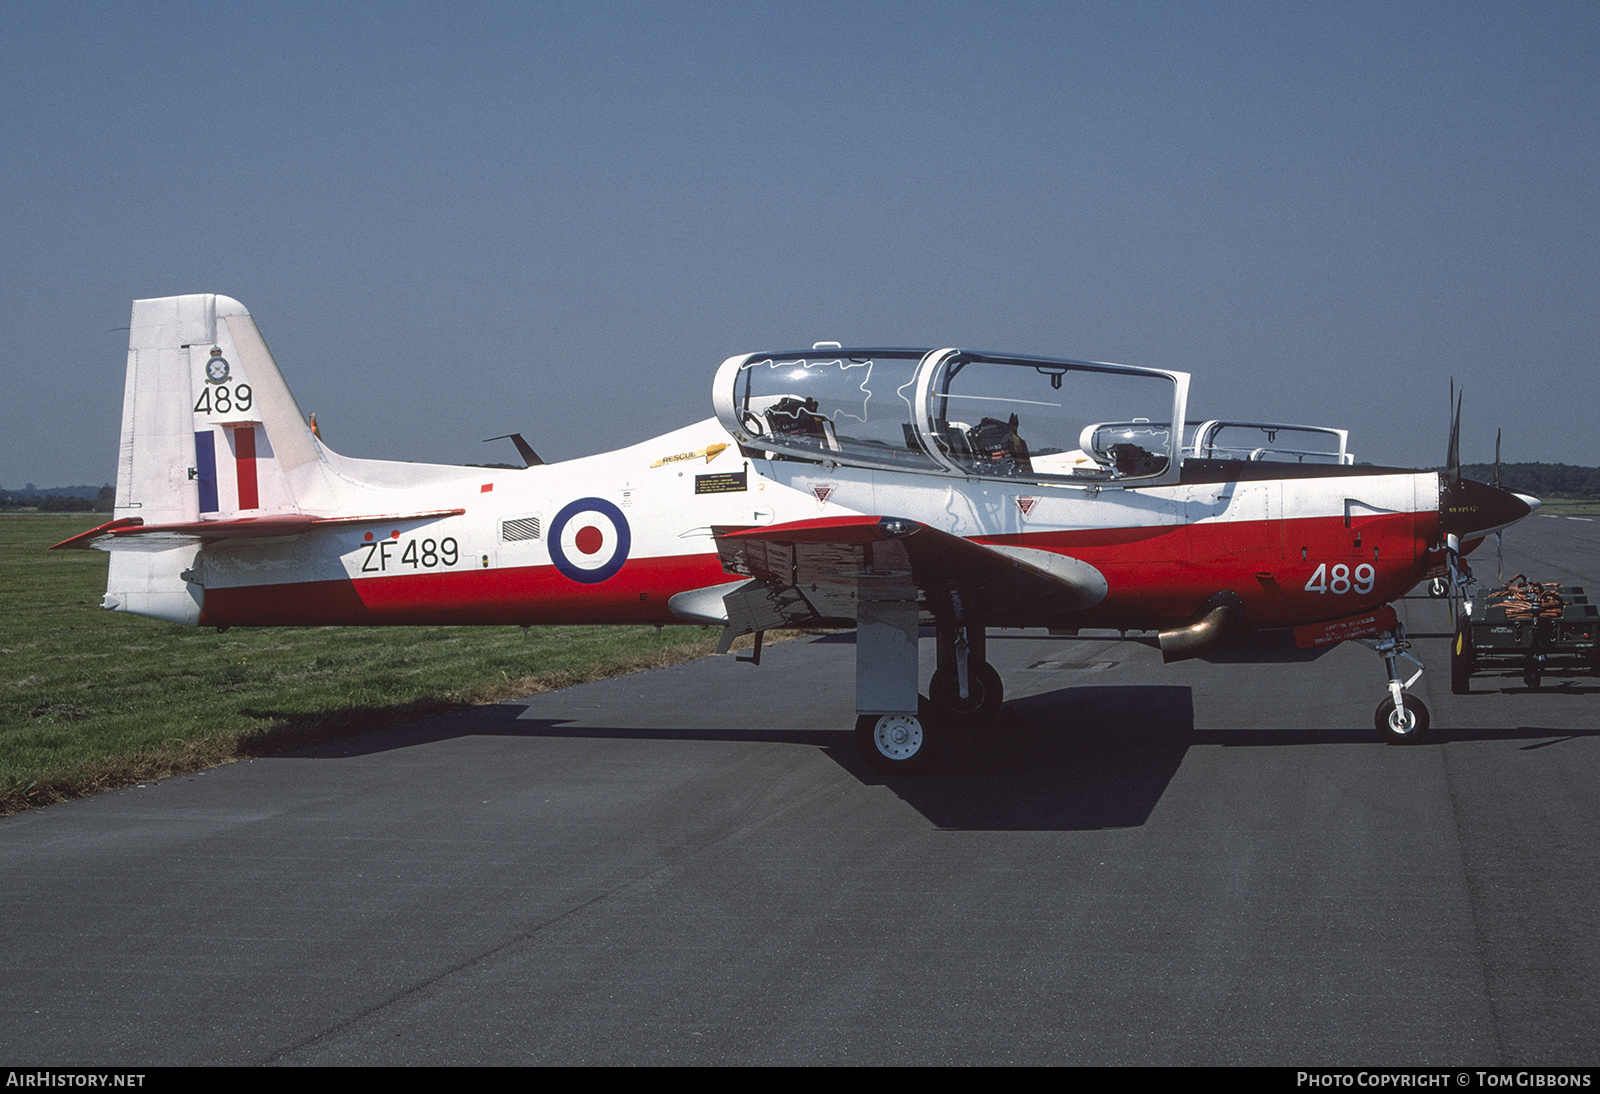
x,y
876,488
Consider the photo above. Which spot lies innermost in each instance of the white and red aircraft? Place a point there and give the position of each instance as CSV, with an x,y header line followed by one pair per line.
x,y
878,488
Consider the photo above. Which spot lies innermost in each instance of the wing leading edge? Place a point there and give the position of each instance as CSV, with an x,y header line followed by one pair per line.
x,y
817,571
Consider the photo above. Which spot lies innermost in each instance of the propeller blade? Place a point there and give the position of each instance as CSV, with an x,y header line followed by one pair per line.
x,y
1500,536
1453,454
1454,582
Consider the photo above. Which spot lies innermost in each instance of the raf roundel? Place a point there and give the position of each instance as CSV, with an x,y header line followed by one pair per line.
x,y
589,540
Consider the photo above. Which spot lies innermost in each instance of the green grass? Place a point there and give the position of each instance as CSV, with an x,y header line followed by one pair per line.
x,y
91,700
1571,507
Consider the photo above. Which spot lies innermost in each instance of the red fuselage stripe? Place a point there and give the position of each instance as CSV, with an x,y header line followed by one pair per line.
x,y
638,593
1156,576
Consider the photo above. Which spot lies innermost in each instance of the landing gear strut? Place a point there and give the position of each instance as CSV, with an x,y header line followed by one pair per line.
x,y
965,689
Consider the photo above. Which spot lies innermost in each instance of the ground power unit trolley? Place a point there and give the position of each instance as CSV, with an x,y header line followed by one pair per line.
x,y
1528,625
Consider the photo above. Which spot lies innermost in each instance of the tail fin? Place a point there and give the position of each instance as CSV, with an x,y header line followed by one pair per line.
x,y
209,433
209,429
214,448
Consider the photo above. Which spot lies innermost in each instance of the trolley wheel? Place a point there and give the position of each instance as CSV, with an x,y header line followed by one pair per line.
x,y
1463,658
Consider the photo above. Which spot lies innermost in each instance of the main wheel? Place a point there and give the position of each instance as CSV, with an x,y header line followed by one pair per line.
x,y
985,696
1463,658
1406,725
899,744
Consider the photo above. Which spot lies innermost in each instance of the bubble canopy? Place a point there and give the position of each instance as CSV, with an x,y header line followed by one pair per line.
x,y
950,411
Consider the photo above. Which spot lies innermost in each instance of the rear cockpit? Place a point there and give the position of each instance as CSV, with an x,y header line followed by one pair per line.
x,y
1267,442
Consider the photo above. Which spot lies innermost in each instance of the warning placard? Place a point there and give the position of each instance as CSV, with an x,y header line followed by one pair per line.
x,y
729,482
1353,626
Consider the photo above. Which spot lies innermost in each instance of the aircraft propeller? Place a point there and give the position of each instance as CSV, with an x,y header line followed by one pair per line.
x,y
1470,510
1452,539
1499,536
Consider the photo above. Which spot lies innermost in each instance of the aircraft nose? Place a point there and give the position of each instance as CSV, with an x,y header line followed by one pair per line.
x,y
1468,508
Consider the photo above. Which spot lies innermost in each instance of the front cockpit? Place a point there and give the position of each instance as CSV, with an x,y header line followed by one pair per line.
x,y
954,412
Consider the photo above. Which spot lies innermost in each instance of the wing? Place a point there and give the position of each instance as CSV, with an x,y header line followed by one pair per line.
x,y
817,571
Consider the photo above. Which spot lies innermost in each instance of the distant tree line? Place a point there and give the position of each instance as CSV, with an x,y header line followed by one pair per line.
x,y
1542,480
60,499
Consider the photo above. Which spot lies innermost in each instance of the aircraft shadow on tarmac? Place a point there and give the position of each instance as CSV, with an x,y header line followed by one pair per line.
x,y
1074,759
1077,758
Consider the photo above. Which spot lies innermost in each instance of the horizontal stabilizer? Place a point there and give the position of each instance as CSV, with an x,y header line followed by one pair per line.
x,y
209,531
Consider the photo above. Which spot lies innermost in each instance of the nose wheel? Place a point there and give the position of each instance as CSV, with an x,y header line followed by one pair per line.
x,y
1402,724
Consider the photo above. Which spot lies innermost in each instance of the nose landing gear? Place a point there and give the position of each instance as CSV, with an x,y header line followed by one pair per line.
x,y
1401,719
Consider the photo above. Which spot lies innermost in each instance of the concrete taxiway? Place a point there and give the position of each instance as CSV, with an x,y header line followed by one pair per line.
x,y
1198,863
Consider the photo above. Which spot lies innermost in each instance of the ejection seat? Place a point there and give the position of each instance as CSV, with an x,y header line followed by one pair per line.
x,y
997,447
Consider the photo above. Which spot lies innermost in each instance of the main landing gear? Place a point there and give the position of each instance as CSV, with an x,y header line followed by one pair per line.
x,y
1402,718
897,731
965,688
901,744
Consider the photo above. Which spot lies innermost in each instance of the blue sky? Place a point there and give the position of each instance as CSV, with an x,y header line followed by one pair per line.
x,y
456,221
